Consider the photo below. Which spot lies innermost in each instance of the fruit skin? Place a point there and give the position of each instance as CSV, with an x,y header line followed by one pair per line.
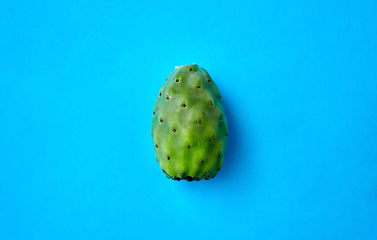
x,y
189,126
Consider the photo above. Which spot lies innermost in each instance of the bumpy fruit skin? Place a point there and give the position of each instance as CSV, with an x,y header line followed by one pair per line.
x,y
189,126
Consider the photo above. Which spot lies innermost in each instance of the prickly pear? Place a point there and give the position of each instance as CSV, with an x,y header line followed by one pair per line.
x,y
189,126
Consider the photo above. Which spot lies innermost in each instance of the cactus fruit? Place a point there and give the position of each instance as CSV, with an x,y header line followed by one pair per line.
x,y
189,126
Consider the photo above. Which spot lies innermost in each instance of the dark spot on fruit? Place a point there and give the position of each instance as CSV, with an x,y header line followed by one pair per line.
x,y
199,122
197,179
183,174
156,159
189,178
218,169
209,80
161,120
156,146
160,94
168,158
226,134
188,146
174,130
178,179
201,162
219,155
190,69
177,80
198,86
183,105
167,98
166,79
153,113
220,96
221,117
212,139
163,170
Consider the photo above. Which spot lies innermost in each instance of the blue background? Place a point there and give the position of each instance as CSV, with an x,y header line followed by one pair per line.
x,y
78,82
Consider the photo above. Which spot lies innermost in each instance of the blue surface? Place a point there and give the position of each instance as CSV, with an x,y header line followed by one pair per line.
x,y
78,82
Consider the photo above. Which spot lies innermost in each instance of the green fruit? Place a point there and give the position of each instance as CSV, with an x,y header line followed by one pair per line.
x,y
189,126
